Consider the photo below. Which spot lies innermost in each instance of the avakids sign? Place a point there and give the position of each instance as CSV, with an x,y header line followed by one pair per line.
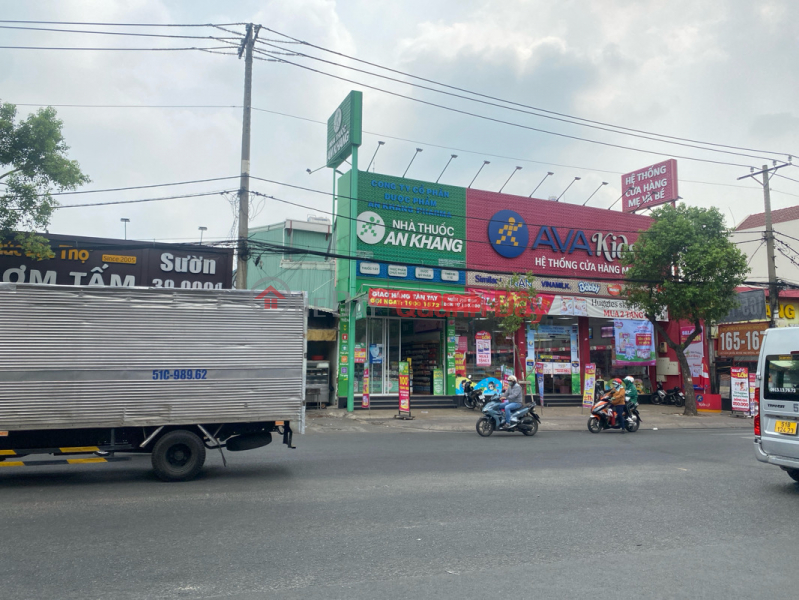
x,y
547,238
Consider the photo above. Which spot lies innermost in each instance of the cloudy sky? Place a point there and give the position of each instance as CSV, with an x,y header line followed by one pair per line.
x,y
718,71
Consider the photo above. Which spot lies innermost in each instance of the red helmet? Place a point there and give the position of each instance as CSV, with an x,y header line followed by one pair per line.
x,y
617,382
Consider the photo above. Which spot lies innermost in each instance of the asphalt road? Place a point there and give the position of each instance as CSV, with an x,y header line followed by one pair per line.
x,y
394,514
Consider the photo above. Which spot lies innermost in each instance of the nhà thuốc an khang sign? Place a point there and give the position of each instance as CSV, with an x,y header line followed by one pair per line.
x,y
344,129
409,221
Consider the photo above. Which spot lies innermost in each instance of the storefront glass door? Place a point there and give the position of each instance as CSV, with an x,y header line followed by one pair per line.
x,y
388,340
376,355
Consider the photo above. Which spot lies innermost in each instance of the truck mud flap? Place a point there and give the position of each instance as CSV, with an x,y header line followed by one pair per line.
x,y
287,435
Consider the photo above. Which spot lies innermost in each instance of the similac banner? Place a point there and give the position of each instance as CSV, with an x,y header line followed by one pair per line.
x,y
634,343
695,352
590,384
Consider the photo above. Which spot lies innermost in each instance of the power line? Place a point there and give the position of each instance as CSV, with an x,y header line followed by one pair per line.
x,y
109,49
197,195
122,33
112,24
501,121
595,122
378,134
528,112
141,187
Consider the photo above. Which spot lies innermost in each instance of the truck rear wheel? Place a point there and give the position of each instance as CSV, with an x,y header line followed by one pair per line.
x,y
178,456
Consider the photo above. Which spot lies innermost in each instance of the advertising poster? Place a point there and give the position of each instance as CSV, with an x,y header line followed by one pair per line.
x,y
438,382
365,397
739,378
360,353
452,360
752,388
404,389
376,354
634,343
590,383
482,341
694,353
576,378
541,388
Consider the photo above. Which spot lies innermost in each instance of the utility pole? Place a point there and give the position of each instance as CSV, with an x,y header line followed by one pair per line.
x,y
244,186
773,287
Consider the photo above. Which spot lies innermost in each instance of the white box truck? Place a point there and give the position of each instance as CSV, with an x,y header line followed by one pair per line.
x,y
777,397
170,372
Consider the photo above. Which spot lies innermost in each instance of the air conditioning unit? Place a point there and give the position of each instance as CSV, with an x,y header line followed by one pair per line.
x,y
662,348
315,219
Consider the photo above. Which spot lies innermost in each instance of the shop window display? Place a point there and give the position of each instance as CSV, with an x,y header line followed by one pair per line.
x,y
489,355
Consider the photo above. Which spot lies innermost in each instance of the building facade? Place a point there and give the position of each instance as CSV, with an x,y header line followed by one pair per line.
x,y
433,265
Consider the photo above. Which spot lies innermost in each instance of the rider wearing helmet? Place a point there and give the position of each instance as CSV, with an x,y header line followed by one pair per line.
x,y
632,391
618,401
513,400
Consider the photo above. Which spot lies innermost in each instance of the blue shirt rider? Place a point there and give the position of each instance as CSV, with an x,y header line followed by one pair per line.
x,y
513,399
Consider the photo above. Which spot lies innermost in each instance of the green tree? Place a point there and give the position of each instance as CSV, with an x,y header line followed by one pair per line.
x,y
684,263
33,163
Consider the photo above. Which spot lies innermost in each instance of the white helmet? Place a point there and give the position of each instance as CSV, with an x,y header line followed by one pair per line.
x,y
630,378
513,378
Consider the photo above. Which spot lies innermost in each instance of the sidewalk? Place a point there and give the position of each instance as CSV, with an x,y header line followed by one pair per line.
x,y
552,419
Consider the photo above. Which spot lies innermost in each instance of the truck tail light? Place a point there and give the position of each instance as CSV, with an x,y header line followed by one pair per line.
x,y
757,411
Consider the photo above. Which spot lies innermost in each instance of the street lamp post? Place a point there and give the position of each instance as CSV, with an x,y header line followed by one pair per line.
x,y
202,229
125,221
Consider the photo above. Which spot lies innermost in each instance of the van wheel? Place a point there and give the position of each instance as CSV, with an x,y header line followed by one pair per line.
x,y
793,474
178,456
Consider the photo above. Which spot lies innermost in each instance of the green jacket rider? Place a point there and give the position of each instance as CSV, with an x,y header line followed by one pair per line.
x,y
631,390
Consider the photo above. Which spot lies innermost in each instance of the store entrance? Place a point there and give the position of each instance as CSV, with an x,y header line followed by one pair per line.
x,y
386,341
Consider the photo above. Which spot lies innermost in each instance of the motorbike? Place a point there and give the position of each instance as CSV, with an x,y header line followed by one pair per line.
x,y
524,419
604,417
674,396
472,398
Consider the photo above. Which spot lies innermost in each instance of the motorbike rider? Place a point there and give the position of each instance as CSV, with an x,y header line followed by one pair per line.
x,y
618,401
513,400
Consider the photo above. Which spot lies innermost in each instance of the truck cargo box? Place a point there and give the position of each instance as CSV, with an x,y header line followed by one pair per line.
x,y
89,357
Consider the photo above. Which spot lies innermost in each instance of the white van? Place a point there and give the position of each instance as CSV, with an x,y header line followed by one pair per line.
x,y
777,394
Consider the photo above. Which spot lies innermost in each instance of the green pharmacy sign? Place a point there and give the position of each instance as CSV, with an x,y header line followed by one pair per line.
x,y
410,221
344,129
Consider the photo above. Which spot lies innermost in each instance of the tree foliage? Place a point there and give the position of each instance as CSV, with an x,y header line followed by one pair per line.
x,y
33,163
684,263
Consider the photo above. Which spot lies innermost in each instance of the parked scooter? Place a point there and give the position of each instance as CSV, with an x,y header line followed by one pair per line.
x,y
524,419
673,396
604,417
472,398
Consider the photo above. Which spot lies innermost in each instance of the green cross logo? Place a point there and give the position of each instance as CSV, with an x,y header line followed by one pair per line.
x,y
370,227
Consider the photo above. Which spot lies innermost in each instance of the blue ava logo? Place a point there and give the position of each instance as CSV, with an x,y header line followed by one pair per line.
x,y
508,233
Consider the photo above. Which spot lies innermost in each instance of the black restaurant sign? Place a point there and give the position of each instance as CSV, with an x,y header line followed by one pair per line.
x,y
119,263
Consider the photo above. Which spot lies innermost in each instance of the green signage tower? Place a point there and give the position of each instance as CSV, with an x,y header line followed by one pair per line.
x,y
343,138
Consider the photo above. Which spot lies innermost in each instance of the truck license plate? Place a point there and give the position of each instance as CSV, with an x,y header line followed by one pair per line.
x,y
785,427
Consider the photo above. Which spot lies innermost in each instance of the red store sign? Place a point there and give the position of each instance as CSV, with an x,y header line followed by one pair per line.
x,y
650,186
555,239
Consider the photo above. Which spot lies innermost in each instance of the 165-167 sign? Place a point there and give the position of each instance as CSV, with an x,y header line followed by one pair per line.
x,y
741,339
